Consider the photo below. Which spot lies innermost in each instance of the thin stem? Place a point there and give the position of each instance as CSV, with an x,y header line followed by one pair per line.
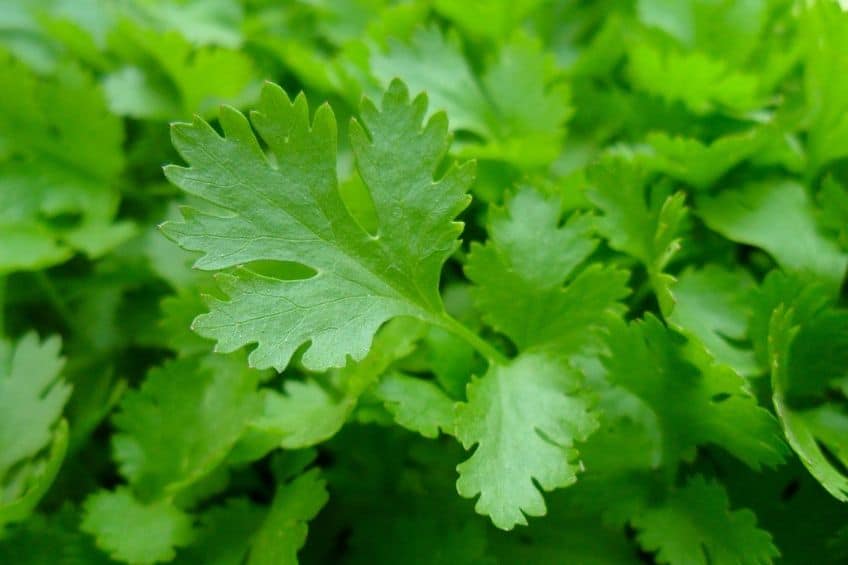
x,y
56,300
482,346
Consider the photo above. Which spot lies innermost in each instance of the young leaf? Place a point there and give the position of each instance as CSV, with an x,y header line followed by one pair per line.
x,y
695,400
696,526
645,231
799,433
780,218
283,532
520,284
32,396
183,421
524,418
133,532
416,404
712,306
290,210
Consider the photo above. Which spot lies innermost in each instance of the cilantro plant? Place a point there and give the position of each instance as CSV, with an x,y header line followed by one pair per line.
x,y
423,282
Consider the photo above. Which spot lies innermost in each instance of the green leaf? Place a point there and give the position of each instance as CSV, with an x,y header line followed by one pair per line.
x,y
133,532
799,432
699,164
780,218
60,156
224,533
712,306
824,40
646,230
524,418
695,525
312,411
33,480
512,107
164,76
183,422
695,400
32,397
291,211
520,288
417,404
283,532
702,83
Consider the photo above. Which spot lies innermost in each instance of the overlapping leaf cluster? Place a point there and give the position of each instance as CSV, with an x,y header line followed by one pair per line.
x,y
541,282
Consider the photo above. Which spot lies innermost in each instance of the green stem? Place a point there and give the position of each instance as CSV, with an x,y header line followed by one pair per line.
x,y
482,346
56,300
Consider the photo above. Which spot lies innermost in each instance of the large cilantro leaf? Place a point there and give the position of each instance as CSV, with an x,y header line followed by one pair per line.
x,y
696,526
289,209
520,283
524,418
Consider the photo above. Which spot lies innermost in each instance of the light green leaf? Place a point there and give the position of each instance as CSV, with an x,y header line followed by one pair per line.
x,y
712,305
695,526
798,430
521,286
133,532
291,211
183,422
283,532
515,109
645,229
524,418
695,400
780,218
312,411
417,404
32,397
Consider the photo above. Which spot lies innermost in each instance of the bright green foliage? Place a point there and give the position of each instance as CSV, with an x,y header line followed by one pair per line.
x,y
519,283
361,280
646,230
209,401
694,400
783,224
523,282
283,531
712,305
524,419
60,154
804,428
518,116
134,532
32,396
416,404
696,525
